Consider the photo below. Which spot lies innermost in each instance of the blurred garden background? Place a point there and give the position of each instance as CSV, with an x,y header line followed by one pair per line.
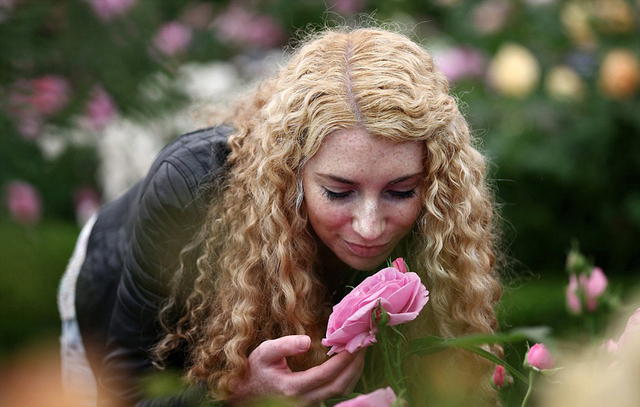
x,y
92,89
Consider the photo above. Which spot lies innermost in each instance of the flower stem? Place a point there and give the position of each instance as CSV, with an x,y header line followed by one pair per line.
x,y
389,371
532,374
398,362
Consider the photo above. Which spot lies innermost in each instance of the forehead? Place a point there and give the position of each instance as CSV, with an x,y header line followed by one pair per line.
x,y
356,151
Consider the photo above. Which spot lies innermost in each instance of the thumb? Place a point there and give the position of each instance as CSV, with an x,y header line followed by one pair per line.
x,y
274,350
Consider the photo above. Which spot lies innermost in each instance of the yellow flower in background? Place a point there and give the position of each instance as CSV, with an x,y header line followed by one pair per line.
x,y
613,16
575,19
563,83
514,71
579,19
620,74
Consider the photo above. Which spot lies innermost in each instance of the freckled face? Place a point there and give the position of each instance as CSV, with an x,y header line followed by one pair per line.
x,y
362,195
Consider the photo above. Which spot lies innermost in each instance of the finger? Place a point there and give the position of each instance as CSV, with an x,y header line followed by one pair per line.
x,y
340,385
356,376
274,350
317,375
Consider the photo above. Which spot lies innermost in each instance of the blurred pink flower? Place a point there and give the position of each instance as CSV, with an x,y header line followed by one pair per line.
x,y
593,286
31,101
49,94
490,15
501,378
172,38
461,62
348,6
107,10
350,327
24,202
99,110
631,333
87,203
609,346
573,297
28,122
540,358
379,398
632,330
238,25
588,288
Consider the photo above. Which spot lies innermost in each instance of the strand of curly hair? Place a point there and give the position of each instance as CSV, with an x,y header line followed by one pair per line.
x,y
257,273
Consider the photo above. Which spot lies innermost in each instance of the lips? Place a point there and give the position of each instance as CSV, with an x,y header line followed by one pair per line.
x,y
366,250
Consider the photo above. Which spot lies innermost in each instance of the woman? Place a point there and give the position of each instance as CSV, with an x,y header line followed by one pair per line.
x,y
224,261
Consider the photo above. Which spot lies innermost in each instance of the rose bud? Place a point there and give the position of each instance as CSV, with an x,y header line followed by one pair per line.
x,y
594,286
501,378
400,265
540,358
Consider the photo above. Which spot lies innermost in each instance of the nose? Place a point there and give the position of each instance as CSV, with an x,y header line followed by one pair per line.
x,y
368,221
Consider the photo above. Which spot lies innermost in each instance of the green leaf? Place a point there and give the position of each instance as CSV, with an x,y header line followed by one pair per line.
x,y
426,345
490,356
533,333
432,344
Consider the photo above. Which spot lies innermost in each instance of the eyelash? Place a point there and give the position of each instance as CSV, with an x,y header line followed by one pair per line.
x,y
403,194
400,195
334,196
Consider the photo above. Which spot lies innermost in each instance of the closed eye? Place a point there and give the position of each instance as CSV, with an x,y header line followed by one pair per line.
x,y
333,196
402,194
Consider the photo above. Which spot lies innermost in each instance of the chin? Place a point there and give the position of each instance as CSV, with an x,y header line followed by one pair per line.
x,y
366,263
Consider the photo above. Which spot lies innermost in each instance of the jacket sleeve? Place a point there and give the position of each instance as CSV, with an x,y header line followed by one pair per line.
x,y
166,216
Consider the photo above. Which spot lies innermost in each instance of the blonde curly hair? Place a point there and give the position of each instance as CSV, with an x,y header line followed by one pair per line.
x,y
258,273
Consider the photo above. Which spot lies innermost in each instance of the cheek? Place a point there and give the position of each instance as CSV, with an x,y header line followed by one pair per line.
x,y
406,217
331,219
325,216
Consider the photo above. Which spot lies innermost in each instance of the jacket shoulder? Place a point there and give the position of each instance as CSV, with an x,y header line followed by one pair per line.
x,y
196,157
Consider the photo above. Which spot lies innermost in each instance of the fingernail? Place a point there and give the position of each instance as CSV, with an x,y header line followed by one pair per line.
x,y
304,342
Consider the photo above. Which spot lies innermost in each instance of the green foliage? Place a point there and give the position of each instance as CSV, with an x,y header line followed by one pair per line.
x,y
33,260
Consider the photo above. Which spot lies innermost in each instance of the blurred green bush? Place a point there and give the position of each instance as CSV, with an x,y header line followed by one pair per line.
x,y
33,260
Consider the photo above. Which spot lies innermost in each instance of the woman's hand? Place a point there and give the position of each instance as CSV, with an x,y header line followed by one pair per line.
x,y
269,373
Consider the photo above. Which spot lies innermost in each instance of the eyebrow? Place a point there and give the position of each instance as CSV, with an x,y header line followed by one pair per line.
x,y
349,182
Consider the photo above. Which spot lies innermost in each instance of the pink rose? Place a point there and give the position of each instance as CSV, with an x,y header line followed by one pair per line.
x,y
172,38
32,101
573,299
501,378
24,202
609,346
591,287
461,62
50,94
99,110
379,398
402,295
539,357
107,10
631,330
400,265
594,286
238,25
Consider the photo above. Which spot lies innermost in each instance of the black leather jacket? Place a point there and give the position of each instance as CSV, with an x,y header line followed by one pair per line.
x,y
131,256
